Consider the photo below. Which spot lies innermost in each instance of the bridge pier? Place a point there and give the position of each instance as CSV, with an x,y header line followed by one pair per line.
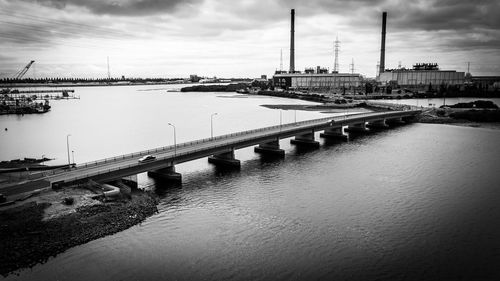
x,y
396,121
270,148
378,124
130,181
357,128
225,159
306,140
333,133
124,186
166,174
408,119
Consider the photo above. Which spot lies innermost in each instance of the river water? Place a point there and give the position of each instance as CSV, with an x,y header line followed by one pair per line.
x,y
416,202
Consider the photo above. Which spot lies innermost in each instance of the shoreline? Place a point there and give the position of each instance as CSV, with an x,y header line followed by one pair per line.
x,y
428,116
43,227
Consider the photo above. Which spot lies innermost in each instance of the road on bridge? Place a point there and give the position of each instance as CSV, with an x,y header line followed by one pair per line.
x,y
170,155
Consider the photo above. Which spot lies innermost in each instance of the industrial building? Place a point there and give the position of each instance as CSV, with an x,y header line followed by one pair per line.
x,y
422,75
314,79
318,81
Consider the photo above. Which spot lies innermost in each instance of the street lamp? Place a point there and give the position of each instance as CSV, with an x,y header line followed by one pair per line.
x,y
67,147
212,125
175,140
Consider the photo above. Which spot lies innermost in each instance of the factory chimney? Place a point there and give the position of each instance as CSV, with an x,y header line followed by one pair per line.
x,y
382,47
292,43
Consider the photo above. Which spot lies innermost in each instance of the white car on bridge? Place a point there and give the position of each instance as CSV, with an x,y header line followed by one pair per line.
x,y
147,158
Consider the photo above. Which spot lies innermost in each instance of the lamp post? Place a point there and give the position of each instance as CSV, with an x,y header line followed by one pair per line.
x,y
73,155
67,147
175,140
212,125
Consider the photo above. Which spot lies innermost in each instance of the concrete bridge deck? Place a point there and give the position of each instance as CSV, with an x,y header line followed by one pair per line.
x,y
114,168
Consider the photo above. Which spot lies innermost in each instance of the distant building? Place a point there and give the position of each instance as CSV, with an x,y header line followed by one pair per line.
x,y
421,76
317,80
486,83
194,78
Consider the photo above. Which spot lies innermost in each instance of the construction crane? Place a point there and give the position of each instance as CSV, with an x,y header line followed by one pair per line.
x,y
23,71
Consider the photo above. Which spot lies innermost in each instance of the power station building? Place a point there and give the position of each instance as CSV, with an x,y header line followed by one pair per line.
x,y
318,79
420,76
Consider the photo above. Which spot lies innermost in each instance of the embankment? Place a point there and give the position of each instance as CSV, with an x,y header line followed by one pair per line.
x,y
215,88
26,238
459,116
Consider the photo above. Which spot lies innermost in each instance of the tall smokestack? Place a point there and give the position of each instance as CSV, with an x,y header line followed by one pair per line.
x,y
382,47
292,43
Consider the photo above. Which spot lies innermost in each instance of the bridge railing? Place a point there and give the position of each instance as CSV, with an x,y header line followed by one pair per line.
x,y
227,136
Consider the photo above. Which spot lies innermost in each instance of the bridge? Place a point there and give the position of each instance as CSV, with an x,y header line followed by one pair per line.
x,y
219,150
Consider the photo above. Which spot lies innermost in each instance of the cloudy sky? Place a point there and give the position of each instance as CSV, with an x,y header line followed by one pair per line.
x,y
231,38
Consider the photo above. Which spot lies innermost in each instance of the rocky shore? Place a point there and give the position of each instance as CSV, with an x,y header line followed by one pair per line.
x,y
28,237
463,117
216,88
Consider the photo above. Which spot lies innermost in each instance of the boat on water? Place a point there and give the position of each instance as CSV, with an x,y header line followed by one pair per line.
x,y
23,106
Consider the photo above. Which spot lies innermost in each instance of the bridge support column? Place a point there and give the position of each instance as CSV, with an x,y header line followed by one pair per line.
x,y
270,148
166,174
357,128
379,124
333,133
125,187
396,121
306,140
225,159
408,119
130,181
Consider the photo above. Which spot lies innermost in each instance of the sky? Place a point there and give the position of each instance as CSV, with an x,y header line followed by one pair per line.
x,y
230,38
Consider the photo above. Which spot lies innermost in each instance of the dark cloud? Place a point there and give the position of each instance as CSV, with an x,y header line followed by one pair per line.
x,y
446,15
124,7
429,26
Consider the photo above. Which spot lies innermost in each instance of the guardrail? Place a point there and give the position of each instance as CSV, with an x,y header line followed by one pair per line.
x,y
222,137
